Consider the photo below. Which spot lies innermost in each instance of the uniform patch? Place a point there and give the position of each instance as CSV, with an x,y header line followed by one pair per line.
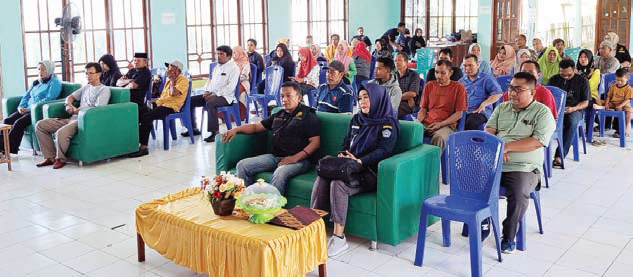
x,y
386,133
387,127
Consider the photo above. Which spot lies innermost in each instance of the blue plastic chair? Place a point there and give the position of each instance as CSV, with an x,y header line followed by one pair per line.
x,y
580,135
443,162
274,79
474,194
160,71
606,81
169,122
504,82
560,96
254,80
521,232
232,110
372,67
312,93
322,64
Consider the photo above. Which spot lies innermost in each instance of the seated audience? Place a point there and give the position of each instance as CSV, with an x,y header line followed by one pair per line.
x,y
254,57
521,43
94,94
538,47
46,88
619,98
403,41
296,136
584,67
484,66
409,82
332,49
171,101
240,58
371,138
560,47
619,51
390,35
346,60
274,58
309,70
522,56
606,63
335,96
284,59
503,62
385,77
578,95
549,64
362,61
447,55
526,126
442,104
417,42
482,90
111,73
219,91
316,53
137,80
360,36
382,49
541,94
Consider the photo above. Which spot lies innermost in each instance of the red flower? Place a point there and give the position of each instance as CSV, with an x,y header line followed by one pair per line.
x,y
217,195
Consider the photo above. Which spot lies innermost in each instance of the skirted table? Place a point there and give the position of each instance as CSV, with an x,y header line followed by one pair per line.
x,y
183,228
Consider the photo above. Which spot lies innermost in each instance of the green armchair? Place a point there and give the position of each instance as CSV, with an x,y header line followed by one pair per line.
x,y
389,215
10,105
103,132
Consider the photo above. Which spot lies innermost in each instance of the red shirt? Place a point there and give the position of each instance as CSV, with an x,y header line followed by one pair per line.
x,y
442,102
543,96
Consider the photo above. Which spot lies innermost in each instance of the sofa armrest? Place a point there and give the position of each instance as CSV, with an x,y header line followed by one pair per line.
x,y
227,154
54,110
10,105
404,182
37,110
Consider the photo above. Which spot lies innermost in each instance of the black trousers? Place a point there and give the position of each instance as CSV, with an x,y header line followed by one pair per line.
x,y
212,110
473,120
148,119
19,122
518,186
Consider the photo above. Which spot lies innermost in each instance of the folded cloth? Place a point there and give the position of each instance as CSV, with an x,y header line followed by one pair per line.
x,y
298,217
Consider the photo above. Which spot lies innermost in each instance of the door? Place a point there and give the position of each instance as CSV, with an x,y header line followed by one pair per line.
x,y
505,26
613,16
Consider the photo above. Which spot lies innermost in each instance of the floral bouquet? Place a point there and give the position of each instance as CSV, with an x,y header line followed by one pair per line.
x,y
222,191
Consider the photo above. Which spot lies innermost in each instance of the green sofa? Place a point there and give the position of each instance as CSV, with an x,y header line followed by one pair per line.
x,y
389,215
10,105
103,132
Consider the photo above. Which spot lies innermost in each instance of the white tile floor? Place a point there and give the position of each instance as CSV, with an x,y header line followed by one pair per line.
x,y
58,222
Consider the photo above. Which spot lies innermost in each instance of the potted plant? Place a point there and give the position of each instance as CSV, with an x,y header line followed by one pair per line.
x,y
222,191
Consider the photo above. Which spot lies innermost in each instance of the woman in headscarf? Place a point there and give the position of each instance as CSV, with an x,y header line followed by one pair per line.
x,y
46,88
362,61
503,62
522,56
240,58
549,64
484,66
273,54
382,49
317,54
417,41
619,51
350,66
284,59
308,75
371,138
110,70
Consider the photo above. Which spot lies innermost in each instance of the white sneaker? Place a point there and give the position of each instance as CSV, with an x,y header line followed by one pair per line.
x,y
336,246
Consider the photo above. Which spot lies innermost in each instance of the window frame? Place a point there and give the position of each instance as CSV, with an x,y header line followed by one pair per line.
x,y
309,23
413,20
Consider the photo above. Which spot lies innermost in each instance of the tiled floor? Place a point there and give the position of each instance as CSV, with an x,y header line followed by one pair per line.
x,y
59,222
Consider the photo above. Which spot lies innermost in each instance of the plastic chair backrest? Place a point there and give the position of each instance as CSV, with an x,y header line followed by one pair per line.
x,y
560,96
322,76
476,158
504,82
605,82
372,67
211,68
253,77
274,79
322,64
418,97
186,107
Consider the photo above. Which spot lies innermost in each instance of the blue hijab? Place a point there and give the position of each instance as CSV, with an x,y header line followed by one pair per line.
x,y
371,125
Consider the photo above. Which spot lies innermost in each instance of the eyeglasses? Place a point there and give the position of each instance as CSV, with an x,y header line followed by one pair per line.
x,y
517,89
91,73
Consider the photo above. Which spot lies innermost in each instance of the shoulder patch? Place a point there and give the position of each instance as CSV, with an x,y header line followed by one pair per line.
x,y
387,127
386,133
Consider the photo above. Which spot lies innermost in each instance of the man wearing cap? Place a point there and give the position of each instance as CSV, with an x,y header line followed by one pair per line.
x,y
219,91
606,63
137,80
171,100
335,96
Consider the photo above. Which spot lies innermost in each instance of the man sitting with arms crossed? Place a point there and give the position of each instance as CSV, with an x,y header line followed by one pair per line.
x,y
526,126
295,137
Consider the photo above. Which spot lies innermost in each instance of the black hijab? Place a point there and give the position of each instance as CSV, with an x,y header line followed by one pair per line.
x,y
285,61
109,78
585,71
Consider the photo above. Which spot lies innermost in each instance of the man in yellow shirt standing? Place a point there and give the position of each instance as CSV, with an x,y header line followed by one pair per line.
x,y
171,101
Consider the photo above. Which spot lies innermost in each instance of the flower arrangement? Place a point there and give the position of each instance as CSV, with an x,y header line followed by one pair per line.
x,y
223,186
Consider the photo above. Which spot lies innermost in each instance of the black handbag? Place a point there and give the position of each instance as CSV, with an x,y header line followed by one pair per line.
x,y
339,168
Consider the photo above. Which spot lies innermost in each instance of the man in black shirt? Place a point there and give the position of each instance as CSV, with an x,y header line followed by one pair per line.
x,y
254,57
295,137
578,95
391,34
137,80
362,37
445,54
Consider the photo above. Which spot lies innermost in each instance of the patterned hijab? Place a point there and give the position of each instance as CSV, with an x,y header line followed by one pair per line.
x,y
502,66
343,57
240,57
615,39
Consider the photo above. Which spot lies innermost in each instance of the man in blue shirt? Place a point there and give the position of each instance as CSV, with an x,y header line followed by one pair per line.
x,y
482,90
335,96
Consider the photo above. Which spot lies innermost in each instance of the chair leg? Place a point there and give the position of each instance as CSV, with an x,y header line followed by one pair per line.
x,y
601,122
227,120
621,120
165,135
419,251
474,237
172,129
574,143
186,121
153,133
202,117
584,140
446,232
560,151
536,196
521,234
444,168
496,231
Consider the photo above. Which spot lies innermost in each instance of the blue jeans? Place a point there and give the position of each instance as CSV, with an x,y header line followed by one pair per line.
x,y
249,167
570,123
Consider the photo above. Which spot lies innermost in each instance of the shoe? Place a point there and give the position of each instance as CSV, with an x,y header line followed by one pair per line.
x,y
58,164
507,246
596,129
139,153
46,162
210,138
195,132
616,135
557,164
337,246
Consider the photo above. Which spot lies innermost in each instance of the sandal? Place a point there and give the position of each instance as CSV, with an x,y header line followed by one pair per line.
x,y
557,164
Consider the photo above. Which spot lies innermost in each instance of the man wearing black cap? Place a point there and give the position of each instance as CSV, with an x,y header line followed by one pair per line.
x,y
335,96
137,80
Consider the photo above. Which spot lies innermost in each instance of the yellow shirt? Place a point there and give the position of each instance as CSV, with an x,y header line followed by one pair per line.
x,y
330,52
619,95
594,82
174,102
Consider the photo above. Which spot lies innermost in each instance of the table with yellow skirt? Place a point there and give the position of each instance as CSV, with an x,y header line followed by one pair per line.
x,y
183,228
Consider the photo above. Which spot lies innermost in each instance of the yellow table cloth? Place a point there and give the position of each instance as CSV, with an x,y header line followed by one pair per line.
x,y
183,228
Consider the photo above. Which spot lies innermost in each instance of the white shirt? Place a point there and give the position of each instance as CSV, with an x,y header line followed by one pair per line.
x,y
224,81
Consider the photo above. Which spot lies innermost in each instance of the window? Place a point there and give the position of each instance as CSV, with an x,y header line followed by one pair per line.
x,y
319,18
222,22
414,13
506,23
439,18
613,16
121,30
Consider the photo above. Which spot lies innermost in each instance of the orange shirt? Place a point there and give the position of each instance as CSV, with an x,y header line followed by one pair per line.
x,y
442,102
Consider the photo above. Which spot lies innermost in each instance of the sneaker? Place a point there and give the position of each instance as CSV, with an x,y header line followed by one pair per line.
x,y
195,132
507,246
336,246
